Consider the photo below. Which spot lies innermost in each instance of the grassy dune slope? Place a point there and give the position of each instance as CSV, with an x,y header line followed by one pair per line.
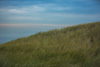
x,y
75,46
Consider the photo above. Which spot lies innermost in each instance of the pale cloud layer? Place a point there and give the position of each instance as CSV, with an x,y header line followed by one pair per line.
x,y
41,12
16,11
34,8
45,13
24,9
24,18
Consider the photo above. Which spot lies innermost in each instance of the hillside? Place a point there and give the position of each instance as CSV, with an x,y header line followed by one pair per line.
x,y
74,46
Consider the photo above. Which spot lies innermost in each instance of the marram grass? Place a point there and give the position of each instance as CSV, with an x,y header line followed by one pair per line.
x,y
75,46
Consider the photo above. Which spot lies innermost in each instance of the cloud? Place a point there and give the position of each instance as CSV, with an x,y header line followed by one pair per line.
x,y
23,9
61,8
55,7
34,8
16,11
24,18
71,15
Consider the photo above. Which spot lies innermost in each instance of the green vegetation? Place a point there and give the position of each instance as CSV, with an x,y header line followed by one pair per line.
x,y
74,46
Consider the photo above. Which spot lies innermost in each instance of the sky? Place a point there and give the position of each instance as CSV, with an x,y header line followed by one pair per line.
x,y
19,18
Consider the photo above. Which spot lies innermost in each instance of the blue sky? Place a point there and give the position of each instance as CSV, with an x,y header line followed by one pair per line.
x,y
49,11
19,18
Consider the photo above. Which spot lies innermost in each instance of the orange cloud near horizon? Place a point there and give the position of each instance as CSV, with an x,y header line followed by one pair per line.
x,y
18,25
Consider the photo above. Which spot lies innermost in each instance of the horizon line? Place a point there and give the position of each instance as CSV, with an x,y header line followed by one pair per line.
x,y
18,25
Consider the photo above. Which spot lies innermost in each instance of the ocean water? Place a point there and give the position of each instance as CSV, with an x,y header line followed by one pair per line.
x,y
8,33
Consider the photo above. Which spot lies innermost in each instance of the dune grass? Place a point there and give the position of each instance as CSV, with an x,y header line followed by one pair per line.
x,y
75,46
